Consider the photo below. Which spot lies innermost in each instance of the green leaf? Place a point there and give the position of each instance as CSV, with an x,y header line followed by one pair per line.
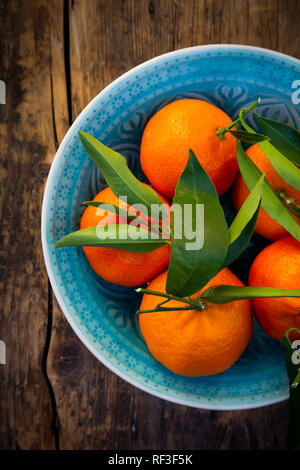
x,y
152,224
247,211
236,248
118,176
295,210
242,228
270,201
293,370
224,294
248,137
191,269
110,208
284,167
285,138
123,237
290,203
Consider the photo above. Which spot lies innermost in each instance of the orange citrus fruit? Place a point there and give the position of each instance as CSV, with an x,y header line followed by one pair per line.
x,y
265,226
182,125
195,343
278,265
115,265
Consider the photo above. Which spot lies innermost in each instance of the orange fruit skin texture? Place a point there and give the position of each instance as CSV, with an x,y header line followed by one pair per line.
x,y
278,265
180,126
265,226
194,343
119,266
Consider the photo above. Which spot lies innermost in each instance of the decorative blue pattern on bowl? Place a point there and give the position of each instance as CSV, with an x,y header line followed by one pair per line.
x,y
102,314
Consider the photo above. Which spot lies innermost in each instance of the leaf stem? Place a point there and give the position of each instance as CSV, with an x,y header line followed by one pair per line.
x,y
245,111
196,303
167,309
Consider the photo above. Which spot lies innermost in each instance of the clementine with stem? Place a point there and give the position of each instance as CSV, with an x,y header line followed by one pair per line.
x,y
115,265
182,125
195,342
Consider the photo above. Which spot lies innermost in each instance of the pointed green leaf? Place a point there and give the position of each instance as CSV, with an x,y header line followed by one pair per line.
x,y
247,211
293,370
190,269
123,237
224,294
242,228
236,248
118,176
284,167
270,201
285,138
248,137
110,208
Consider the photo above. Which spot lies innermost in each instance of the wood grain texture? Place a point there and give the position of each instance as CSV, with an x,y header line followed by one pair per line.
x,y
55,57
27,149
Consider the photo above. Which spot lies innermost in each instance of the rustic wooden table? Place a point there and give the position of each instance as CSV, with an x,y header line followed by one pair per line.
x,y
55,56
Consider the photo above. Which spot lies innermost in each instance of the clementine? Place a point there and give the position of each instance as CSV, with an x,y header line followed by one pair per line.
x,y
115,265
195,343
278,265
182,125
265,226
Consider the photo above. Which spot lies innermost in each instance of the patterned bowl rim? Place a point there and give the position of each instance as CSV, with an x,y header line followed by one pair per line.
x,y
55,166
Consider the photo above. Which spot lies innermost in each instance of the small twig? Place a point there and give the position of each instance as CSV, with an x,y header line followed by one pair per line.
x,y
163,303
191,304
189,301
222,132
168,309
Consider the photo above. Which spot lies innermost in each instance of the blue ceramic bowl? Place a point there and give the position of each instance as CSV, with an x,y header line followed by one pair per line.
x,y
103,314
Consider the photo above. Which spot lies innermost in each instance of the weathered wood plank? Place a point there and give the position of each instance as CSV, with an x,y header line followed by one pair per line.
x,y
27,148
288,27
109,38
93,404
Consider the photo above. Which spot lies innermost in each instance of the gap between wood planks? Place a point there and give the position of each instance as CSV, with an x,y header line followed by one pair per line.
x,y
66,31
